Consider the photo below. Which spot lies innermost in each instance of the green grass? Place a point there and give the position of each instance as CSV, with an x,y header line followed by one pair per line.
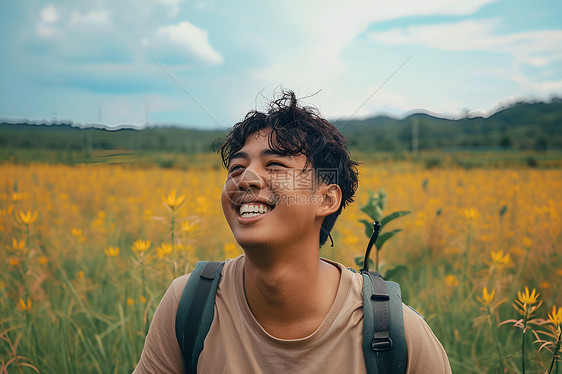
x,y
427,158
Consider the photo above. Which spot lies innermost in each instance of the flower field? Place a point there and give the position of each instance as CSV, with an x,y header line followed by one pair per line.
x,y
88,251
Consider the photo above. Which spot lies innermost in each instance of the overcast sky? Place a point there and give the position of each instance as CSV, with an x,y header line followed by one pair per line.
x,y
122,62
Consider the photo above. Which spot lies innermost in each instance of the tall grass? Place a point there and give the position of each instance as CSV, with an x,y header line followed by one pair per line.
x,y
89,308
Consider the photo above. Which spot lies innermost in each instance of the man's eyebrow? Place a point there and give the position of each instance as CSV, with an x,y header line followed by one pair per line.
x,y
238,155
265,152
271,152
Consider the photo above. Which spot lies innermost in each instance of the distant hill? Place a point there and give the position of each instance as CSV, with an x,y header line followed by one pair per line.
x,y
524,125
68,137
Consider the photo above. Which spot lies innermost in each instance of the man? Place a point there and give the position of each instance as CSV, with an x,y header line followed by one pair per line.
x,y
280,308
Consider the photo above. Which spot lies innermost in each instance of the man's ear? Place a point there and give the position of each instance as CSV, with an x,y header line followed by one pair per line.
x,y
331,199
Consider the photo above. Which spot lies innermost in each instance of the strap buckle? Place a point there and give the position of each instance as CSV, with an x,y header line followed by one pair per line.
x,y
380,296
381,344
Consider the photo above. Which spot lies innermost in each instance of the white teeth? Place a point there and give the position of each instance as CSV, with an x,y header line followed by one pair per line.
x,y
252,210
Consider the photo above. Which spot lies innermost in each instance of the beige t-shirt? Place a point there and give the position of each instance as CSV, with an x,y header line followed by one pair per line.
x,y
236,343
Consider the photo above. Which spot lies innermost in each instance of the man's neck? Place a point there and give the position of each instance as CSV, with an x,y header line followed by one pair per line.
x,y
290,295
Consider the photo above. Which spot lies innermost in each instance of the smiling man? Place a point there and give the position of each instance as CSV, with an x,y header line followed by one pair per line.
x,y
280,308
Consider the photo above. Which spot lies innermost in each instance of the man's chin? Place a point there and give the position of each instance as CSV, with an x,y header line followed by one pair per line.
x,y
253,243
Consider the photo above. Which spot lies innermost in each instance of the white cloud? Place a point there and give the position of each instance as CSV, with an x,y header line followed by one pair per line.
x,y
93,17
45,27
173,7
314,61
461,36
336,23
406,8
385,101
43,30
171,2
183,42
529,87
84,22
49,14
536,48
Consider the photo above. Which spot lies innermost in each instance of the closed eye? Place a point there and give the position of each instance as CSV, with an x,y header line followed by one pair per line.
x,y
235,168
276,163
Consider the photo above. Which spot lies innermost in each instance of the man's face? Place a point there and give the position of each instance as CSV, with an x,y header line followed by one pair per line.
x,y
267,199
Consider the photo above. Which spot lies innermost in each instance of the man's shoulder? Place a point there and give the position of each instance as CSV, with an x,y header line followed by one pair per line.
x,y
425,352
178,285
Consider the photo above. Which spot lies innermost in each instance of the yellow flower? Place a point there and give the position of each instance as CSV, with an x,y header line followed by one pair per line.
x,y
140,245
76,232
487,298
556,316
130,301
189,226
16,245
526,298
451,281
7,212
142,299
171,201
112,251
43,260
471,214
23,306
13,261
27,217
81,274
163,250
500,259
18,196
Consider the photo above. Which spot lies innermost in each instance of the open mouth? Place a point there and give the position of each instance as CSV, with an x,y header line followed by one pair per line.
x,y
254,209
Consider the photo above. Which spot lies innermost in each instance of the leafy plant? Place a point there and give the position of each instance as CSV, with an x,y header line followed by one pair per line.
x,y
374,209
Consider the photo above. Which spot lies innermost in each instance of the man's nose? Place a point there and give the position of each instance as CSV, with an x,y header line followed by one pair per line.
x,y
250,178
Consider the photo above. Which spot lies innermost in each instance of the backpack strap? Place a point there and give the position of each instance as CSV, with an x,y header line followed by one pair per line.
x,y
384,343
196,311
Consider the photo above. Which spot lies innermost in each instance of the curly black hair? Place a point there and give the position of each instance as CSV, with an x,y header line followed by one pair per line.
x,y
300,130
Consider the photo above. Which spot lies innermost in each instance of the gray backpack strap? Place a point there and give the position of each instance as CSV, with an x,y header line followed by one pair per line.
x,y
196,311
384,343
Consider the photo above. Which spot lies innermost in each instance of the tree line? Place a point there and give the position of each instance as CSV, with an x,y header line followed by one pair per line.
x,y
521,126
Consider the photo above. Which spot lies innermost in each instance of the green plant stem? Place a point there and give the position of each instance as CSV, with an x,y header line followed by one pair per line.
x,y
174,258
497,340
523,340
143,288
465,259
27,244
25,280
554,357
493,274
